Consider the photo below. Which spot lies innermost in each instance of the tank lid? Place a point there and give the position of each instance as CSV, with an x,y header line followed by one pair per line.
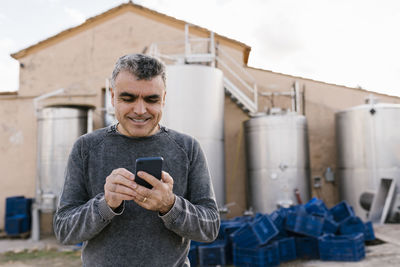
x,y
369,106
276,111
258,114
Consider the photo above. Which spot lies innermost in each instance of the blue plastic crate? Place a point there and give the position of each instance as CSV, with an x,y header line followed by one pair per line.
x,y
211,254
193,255
330,226
287,249
264,229
341,211
227,227
307,248
352,225
18,205
297,209
256,233
228,230
242,219
11,205
341,248
305,224
18,224
369,232
316,206
245,237
278,218
258,257
257,216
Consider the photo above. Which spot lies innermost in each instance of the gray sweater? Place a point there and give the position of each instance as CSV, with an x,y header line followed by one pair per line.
x,y
132,235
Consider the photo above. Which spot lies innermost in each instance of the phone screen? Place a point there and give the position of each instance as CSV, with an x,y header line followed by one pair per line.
x,y
151,165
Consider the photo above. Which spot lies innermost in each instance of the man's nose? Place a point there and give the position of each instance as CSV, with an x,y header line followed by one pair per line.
x,y
140,107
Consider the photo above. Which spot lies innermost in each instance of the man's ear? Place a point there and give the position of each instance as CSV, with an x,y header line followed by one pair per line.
x,y
163,98
112,96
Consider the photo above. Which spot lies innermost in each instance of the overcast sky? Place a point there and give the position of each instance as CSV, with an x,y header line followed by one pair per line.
x,y
346,42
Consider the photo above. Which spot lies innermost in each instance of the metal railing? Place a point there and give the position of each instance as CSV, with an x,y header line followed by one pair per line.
x,y
249,90
205,51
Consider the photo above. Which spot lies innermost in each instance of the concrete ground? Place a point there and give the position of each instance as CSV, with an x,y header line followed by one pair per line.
x,y
383,255
19,245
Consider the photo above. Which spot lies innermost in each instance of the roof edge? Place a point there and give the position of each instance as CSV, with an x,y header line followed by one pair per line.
x,y
312,80
93,21
9,93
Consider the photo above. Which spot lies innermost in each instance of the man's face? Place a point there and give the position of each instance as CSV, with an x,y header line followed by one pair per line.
x,y
138,104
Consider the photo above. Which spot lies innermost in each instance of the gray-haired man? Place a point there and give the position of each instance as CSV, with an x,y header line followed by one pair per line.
x,y
121,222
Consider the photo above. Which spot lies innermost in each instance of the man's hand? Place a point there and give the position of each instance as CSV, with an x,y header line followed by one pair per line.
x,y
119,186
160,198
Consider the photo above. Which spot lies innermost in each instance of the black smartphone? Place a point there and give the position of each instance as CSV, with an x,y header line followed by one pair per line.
x,y
151,165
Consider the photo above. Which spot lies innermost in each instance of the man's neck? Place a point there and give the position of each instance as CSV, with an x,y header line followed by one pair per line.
x,y
158,128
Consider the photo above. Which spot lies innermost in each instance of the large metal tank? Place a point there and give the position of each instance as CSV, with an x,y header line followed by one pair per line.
x,y
58,129
368,142
277,161
195,105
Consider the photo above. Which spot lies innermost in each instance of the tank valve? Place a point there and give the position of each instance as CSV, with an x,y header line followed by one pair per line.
x,y
372,111
298,197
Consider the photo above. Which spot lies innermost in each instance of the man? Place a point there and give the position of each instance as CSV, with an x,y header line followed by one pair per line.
x,y
120,222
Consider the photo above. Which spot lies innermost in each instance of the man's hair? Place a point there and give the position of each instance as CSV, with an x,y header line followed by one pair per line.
x,y
143,67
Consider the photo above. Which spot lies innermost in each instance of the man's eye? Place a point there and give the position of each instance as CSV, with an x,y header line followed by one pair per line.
x,y
152,100
127,99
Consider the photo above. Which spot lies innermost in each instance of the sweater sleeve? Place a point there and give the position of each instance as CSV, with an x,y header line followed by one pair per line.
x,y
196,218
79,218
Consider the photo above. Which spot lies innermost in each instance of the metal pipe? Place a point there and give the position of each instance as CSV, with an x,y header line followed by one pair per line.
x,y
35,236
212,48
44,96
90,121
298,98
187,44
276,93
293,98
256,96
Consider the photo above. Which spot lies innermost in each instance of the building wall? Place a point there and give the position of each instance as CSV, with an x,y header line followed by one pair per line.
x,y
17,149
235,158
80,64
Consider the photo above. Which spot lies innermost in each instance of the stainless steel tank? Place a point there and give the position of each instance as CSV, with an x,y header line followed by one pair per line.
x,y
277,161
58,129
368,142
195,105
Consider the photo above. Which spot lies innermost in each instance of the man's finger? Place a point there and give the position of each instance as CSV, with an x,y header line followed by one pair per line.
x,y
125,173
167,178
118,196
148,178
121,189
122,180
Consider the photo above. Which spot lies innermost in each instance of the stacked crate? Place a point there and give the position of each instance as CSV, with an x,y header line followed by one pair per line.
x,y
18,215
310,231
